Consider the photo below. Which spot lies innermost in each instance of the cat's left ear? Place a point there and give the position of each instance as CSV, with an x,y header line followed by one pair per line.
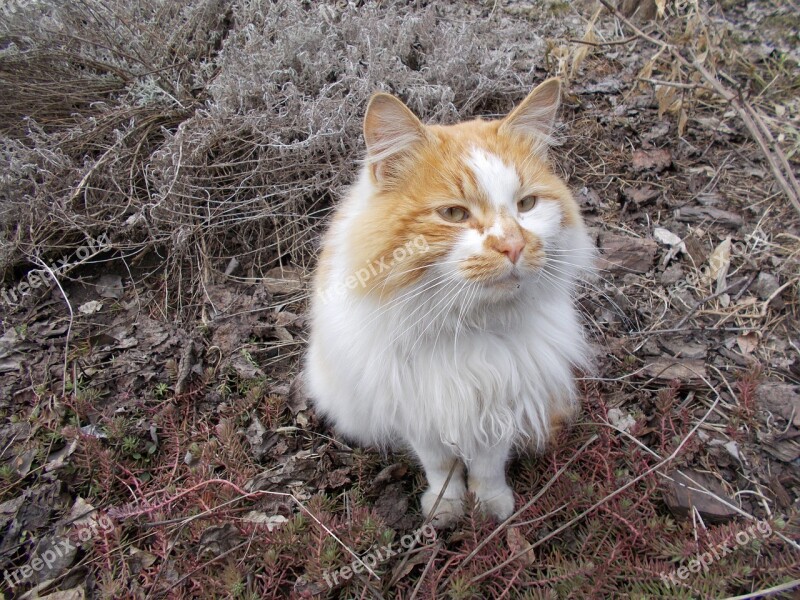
x,y
535,117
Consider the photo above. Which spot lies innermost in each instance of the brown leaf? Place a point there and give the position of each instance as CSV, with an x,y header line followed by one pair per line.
x,y
217,540
260,439
23,461
283,280
298,399
393,472
684,491
696,250
626,254
782,399
747,342
336,479
667,369
784,447
641,195
393,507
693,214
517,543
651,160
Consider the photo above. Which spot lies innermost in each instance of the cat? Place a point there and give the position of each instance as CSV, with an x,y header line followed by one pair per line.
x,y
443,317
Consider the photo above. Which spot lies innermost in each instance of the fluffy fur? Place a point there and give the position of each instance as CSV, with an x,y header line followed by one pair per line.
x,y
457,337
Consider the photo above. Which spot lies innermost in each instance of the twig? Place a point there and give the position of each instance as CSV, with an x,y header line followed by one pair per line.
x,y
773,590
399,569
436,549
69,326
611,43
701,302
675,84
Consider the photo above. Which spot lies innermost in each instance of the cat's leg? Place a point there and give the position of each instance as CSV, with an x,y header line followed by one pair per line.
x,y
438,460
487,480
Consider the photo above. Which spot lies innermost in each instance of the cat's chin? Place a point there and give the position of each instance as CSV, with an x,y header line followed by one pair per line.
x,y
504,287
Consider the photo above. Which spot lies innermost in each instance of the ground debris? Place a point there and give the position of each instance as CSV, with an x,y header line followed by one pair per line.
x,y
689,489
627,254
703,214
655,160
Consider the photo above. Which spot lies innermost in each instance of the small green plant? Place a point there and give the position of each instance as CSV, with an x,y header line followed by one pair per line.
x,y
7,473
130,446
161,390
461,589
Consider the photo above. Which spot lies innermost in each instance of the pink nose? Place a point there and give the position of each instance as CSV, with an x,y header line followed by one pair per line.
x,y
512,247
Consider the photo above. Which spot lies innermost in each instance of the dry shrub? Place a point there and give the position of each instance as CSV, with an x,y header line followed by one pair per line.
x,y
207,130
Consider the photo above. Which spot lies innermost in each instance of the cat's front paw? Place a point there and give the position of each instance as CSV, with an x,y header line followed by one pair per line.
x,y
497,502
448,510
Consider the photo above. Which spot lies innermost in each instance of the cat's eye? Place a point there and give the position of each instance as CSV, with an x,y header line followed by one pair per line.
x,y
454,214
526,204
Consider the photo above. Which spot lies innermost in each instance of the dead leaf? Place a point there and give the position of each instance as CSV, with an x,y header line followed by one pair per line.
x,y
696,250
685,490
667,369
665,236
110,286
336,478
218,539
621,420
261,440
91,307
781,399
82,515
283,280
692,214
23,461
627,254
747,342
139,560
651,160
517,543
76,593
641,195
393,507
261,518
719,262
393,472
65,551
765,285
298,399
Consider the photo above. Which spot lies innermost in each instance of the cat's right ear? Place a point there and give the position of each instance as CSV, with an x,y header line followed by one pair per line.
x,y
391,131
535,117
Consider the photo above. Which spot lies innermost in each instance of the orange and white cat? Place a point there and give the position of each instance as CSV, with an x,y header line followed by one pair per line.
x,y
443,317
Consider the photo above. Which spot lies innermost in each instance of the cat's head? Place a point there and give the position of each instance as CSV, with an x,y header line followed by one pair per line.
x,y
476,202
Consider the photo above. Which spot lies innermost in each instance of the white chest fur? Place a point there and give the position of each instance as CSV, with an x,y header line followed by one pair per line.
x,y
469,379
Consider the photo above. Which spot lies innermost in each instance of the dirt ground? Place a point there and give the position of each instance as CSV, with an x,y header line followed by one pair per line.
x,y
156,442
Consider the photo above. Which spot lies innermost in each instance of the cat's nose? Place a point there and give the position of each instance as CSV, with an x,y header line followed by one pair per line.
x,y
512,247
